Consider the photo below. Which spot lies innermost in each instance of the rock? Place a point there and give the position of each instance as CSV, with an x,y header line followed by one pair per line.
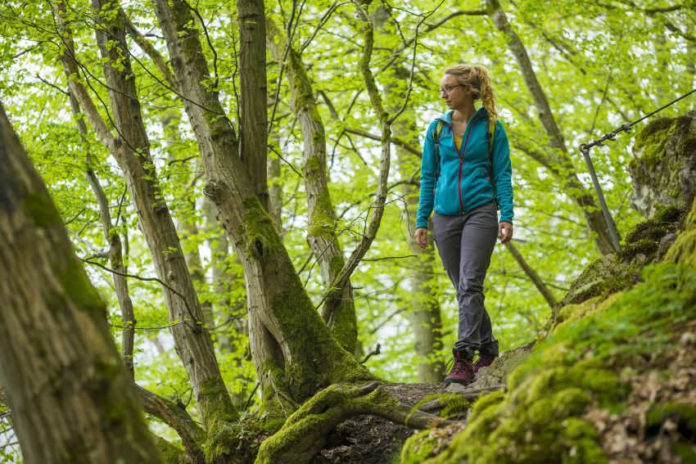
x,y
664,167
647,242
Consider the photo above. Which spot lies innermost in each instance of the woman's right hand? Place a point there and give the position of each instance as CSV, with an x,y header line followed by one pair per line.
x,y
421,237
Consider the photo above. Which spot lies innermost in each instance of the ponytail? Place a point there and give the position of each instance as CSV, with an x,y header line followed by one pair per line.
x,y
477,76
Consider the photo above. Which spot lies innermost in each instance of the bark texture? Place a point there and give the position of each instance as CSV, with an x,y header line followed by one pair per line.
x,y
560,157
71,397
339,306
252,58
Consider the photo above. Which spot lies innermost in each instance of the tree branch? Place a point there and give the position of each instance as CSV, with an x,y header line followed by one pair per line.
x,y
396,141
175,416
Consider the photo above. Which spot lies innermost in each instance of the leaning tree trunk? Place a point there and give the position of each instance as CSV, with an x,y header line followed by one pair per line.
x,y
279,307
560,158
131,150
71,397
339,305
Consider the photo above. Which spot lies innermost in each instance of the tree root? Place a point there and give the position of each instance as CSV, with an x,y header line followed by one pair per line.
x,y
437,404
304,433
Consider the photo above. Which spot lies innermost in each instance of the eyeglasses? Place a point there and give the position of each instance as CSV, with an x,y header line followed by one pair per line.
x,y
446,89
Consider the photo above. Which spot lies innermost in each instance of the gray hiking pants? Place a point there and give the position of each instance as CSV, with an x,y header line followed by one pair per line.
x,y
465,244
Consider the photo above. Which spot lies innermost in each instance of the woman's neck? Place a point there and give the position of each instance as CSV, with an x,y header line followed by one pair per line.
x,y
464,113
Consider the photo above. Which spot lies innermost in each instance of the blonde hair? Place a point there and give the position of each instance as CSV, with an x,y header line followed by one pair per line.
x,y
476,76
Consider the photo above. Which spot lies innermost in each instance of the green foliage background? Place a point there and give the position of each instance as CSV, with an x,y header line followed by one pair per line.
x,y
601,64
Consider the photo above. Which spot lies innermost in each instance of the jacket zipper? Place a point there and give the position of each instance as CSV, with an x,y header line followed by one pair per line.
x,y
461,163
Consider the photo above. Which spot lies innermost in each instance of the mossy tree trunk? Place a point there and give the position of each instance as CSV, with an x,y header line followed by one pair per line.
x,y
339,305
71,396
282,318
558,157
131,150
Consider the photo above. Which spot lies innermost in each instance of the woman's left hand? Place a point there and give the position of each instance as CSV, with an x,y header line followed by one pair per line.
x,y
505,231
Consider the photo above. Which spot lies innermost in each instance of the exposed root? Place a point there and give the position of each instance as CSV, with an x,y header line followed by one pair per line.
x,y
304,433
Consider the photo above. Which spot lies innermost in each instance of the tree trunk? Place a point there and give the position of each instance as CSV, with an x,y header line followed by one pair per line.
x,y
339,306
131,150
252,59
277,299
71,397
571,184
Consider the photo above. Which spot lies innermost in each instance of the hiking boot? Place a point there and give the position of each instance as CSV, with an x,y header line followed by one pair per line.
x,y
462,371
483,361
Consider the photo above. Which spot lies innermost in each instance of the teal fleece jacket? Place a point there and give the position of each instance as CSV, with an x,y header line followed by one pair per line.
x,y
464,182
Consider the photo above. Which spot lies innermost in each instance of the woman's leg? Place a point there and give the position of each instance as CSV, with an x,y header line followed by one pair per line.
x,y
478,237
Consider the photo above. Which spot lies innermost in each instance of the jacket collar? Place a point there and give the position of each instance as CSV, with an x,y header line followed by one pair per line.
x,y
447,117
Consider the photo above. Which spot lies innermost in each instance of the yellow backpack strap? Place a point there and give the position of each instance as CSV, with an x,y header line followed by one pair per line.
x,y
436,139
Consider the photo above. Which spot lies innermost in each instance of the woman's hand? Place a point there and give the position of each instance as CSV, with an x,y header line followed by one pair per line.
x,y
504,231
421,237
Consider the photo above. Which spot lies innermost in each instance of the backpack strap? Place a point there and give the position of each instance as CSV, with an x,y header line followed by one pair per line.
x,y
436,140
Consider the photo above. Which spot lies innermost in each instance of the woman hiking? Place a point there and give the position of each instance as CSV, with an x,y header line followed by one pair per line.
x,y
465,176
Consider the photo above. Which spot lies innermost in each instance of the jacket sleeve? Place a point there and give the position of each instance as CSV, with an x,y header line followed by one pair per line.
x,y
502,173
427,179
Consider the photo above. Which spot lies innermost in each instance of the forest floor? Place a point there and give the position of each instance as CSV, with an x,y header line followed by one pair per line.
x,y
370,439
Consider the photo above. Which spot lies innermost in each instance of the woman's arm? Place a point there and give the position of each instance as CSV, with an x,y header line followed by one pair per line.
x,y
427,179
502,173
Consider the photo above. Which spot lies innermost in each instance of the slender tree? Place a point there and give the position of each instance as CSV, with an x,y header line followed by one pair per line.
x,y
339,306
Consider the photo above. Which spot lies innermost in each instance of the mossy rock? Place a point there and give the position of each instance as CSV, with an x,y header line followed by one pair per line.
x,y
664,167
621,270
604,276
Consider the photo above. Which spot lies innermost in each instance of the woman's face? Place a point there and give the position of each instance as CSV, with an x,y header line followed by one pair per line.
x,y
453,93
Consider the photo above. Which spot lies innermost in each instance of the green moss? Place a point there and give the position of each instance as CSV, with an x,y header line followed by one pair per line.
x,y
683,414
42,210
572,312
455,407
230,443
685,451
652,230
212,391
304,431
540,418
683,251
77,286
418,448
486,401
650,142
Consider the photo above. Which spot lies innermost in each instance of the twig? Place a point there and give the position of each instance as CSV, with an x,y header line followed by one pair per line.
x,y
370,354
